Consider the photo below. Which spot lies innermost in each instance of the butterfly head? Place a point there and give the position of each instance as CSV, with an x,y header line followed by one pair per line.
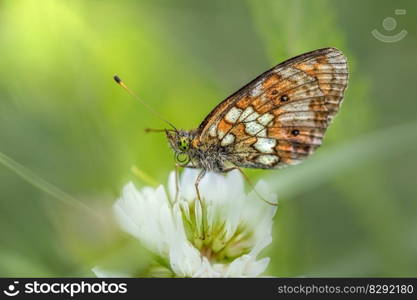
x,y
180,142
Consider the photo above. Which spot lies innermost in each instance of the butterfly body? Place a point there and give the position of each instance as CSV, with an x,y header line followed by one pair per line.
x,y
209,157
276,120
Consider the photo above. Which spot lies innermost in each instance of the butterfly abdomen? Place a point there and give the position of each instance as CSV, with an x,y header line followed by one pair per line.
x,y
211,157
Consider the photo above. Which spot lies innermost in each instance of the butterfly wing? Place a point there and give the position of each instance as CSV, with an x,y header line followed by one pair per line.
x,y
280,117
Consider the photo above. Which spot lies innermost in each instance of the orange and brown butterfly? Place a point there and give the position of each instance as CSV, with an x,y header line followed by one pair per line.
x,y
278,119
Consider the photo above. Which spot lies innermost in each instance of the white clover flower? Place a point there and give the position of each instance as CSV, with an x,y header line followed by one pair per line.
x,y
221,239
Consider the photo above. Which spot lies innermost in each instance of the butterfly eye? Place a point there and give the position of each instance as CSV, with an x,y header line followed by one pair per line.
x,y
183,144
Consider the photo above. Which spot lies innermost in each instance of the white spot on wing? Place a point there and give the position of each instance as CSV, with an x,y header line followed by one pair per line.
x,y
213,130
253,128
220,133
228,139
265,145
268,159
252,117
233,114
262,133
246,113
265,119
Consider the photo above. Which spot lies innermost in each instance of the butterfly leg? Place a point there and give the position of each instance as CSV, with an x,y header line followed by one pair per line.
x,y
177,182
251,184
197,182
177,178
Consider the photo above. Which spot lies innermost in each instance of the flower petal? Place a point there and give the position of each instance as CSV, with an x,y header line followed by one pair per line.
x,y
102,273
234,223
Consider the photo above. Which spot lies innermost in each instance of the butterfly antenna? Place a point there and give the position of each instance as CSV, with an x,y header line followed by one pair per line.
x,y
124,86
156,130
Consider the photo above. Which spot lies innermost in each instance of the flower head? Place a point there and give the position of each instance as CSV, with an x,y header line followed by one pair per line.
x,y
221,236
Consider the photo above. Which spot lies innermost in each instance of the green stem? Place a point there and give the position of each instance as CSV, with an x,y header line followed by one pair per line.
x,y
42,184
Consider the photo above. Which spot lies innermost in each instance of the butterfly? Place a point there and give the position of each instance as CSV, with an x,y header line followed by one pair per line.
x,y
276,120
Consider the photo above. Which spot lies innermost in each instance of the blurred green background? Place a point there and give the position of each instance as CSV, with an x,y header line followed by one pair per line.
x,y
350,210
